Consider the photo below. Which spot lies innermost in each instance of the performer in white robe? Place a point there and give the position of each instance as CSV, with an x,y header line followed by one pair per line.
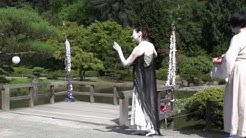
x,y
145,113
233,65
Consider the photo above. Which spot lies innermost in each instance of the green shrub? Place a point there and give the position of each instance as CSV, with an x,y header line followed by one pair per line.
x,y
206,77
123,75
161,74
3,79
180,103
37,71
52,75
192,69
21,72
195,106
91,74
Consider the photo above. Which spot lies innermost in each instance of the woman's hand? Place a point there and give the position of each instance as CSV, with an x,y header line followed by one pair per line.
x,y
116,47
217,60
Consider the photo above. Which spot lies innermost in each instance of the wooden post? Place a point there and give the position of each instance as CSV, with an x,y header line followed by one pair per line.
x,y
159,101
172,98
31,93
115,96
92,93
52,94
123,112
5,98
35,92
208,115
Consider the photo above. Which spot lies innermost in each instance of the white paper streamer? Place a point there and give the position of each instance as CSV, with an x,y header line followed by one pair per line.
x,y
172,60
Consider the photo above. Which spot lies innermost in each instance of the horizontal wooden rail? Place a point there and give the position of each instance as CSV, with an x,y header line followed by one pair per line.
x,y
20,98
34,87
124,97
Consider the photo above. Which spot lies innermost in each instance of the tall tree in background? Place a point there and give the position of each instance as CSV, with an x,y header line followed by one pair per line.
x,y
216,32
23,30
121,11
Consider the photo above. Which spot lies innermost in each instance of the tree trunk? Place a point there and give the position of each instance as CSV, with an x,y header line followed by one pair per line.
x,y
82,75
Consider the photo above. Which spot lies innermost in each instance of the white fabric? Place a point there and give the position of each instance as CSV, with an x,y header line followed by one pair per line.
x,y
139,118
234,67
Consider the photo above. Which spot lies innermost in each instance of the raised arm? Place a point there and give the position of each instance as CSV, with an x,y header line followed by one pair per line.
x,y
126,62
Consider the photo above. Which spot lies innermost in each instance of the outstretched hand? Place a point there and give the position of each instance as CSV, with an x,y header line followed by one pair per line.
x,y
217,60
116,46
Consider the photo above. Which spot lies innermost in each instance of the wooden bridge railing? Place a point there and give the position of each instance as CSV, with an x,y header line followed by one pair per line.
x,y
165,98
33,92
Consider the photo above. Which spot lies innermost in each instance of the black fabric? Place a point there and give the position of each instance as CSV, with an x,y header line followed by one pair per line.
x,y
144,82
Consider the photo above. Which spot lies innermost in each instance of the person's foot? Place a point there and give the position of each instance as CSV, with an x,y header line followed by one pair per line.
x,y
150,133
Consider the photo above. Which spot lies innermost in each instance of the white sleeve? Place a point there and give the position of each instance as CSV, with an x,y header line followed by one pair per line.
x,y
230,56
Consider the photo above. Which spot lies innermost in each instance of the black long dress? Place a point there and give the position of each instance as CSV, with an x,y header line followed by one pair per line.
x,y
144,82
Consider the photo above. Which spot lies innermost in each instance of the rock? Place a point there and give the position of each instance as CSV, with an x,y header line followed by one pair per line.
x,y
191,84
185,83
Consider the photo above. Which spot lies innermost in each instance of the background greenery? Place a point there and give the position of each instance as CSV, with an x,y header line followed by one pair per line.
x,y
36,31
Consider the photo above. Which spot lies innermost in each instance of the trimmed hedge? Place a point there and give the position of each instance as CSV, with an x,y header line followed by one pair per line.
x,y
196,106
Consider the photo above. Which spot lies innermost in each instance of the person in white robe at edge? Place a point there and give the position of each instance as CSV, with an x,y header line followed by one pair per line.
x,y
139,119
233,67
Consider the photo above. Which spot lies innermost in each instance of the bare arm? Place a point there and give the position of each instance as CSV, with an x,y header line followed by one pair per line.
x,y
155,53
126,62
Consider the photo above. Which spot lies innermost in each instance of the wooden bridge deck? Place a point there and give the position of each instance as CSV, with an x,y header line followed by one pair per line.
x,y
95,113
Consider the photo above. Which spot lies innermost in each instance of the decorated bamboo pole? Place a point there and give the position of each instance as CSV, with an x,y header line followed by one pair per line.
x,y
172,60
69,96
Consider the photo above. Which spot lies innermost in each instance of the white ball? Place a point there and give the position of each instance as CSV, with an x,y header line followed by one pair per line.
x,y
16,59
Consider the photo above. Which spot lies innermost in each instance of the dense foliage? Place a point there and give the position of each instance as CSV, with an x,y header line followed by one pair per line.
x,y
36,30
206,101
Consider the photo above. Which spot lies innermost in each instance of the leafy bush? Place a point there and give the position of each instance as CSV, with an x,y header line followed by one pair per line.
x,y
37,71
52,75
193,68
3,79
180,103
195,106
161,74
60,73
123,75
91,74
21,72
206,77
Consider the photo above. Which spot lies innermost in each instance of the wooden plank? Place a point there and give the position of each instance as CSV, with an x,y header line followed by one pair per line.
x,y
78,109
20,98
83,93
32,95
123,111
165,100
115,102
103,94
60,93
52,94
13,86
92,91
6,98
164,88
103,114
